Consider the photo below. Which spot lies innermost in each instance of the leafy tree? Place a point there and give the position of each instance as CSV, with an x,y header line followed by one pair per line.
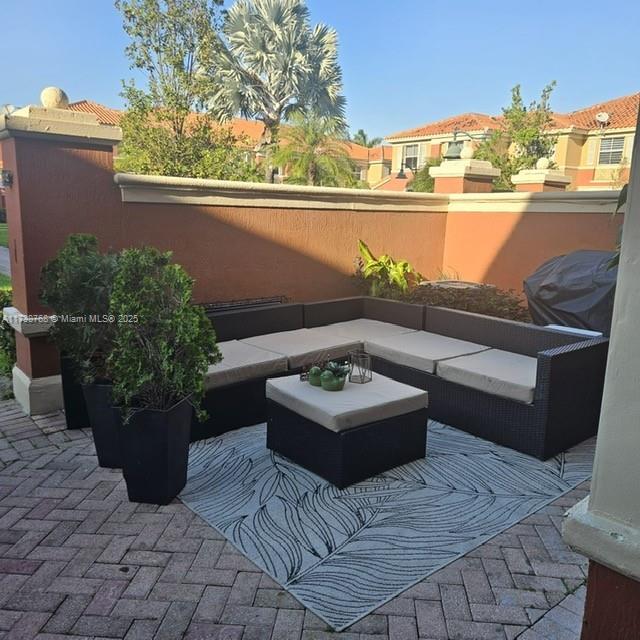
x,y
422,181
360,137
203,150
523,139
270,63
315,152
171,43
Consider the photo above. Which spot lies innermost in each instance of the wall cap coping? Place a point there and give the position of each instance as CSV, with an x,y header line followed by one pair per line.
x,y
540,176
30,326
580,202
181,191
464,168
601,538
43,122
172,190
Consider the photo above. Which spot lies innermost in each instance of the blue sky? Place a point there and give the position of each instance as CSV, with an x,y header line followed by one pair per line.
x,y
405,62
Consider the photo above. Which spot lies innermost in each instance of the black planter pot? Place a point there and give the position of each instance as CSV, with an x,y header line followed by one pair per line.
x,y
156,453
75,408
106,424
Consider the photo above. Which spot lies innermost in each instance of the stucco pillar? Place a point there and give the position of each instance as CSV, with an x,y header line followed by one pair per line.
x,y
50,154
542,178
606,526
464,176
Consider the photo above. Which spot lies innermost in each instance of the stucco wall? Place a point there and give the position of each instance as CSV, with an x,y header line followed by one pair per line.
x,y
303,253
504,247
304,250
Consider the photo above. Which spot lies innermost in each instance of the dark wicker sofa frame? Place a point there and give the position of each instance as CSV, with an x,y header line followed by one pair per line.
x,y
566,405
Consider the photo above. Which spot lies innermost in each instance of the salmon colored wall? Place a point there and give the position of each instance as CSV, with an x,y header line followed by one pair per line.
x,y
504,248
232,252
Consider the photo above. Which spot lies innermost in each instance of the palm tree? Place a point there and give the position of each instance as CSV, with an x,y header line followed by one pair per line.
x,y
270,63
315,152
363,139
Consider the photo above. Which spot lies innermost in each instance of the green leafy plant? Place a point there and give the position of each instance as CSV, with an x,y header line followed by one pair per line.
x,y
360,137
163,343
315,153
422,181
76,285
385,272
270,62
7,341
522,139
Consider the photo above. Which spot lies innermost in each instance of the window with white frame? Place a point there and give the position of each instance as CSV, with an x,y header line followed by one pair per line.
x,y
411,152
611,150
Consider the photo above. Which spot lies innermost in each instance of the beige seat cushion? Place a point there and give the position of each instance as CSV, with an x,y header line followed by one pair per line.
x,y
365,329
421,349
304,347
500,373
355,405
241,362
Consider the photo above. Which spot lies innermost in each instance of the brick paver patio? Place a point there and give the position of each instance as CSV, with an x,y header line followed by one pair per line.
x,y
77,560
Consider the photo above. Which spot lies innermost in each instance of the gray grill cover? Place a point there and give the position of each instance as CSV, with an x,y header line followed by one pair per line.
x,y
575,290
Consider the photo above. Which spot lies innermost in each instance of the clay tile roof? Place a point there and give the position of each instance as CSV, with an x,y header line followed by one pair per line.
x,y
464,122
104,114
623,113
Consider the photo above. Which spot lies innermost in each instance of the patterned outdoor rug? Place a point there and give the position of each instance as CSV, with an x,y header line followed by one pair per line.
x,y
343,553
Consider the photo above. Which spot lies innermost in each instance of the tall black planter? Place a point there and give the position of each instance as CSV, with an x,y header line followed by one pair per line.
x,y
156,453
106,424
75,408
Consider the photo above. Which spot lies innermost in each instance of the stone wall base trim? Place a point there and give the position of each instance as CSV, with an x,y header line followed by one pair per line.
x,y
38,395
609,542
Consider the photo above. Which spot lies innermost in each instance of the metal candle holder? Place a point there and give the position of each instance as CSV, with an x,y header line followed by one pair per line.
x,y
360,371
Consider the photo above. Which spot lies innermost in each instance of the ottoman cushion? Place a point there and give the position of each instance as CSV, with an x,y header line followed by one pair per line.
x,y
355,405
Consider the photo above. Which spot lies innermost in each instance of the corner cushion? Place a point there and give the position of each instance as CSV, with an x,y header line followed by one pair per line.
x,y
241,362
499,373
355,405
421,349
364,329
303,347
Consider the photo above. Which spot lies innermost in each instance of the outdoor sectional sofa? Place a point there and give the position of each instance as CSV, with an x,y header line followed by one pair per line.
x,y
532,389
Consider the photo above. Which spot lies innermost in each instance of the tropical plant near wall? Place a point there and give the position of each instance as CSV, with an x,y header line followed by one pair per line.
x,y
384,272
270,63
315,153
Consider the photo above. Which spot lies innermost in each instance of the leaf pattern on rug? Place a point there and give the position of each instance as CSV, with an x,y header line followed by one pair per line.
x,y
345,552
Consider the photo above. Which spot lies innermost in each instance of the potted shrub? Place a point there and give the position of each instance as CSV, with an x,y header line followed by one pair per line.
x,y
163,345
76,284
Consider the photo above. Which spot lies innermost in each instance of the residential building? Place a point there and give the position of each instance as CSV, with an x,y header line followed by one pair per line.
x,y
593,144
371,165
